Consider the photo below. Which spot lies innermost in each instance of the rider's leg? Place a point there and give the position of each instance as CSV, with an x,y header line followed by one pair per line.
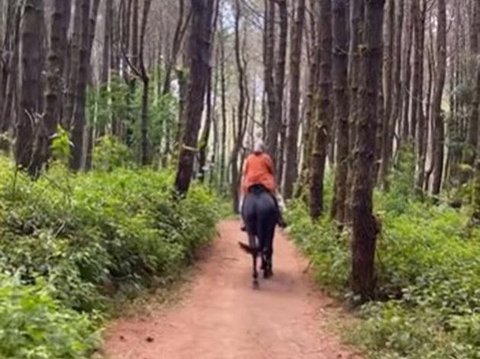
x,y
281,221
243,227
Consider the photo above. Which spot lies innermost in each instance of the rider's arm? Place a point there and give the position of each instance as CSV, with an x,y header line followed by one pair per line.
x,y
242,180
270,165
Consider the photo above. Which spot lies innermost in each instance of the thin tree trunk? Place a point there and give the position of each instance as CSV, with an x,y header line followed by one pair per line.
x,y
272,125
205,136
437,97
88,23
279,86
12,43
340,89
418,117
199,54
30,86
55,70
356,40
472,139
291,169
323,121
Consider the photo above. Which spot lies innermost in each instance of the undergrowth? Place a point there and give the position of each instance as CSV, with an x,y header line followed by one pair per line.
x,y
69,244
428,274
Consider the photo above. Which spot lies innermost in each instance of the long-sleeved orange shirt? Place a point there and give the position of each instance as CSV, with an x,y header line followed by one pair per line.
x,y
259,169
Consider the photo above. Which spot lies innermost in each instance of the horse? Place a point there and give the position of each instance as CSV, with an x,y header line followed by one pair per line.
x,y
260,215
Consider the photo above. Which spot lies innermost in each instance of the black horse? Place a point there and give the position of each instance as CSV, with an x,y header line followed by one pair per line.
x,y
260,215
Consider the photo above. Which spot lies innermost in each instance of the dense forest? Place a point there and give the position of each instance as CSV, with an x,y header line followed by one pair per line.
x,y
370,109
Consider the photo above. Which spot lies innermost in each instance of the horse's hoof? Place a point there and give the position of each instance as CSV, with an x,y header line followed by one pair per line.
x,y
267,273
255,284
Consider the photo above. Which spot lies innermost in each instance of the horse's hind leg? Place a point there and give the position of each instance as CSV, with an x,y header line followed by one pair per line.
x,y
255,272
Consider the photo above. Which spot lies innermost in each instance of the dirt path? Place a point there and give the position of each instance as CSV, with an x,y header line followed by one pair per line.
x,y
223,318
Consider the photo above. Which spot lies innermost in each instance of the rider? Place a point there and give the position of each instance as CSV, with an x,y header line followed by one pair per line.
x,y
259,169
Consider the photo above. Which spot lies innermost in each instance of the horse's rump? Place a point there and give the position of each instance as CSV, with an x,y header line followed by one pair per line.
x,y
260,215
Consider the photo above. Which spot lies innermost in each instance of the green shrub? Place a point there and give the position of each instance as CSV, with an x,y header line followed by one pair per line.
x,y
82,239
428,274
35,326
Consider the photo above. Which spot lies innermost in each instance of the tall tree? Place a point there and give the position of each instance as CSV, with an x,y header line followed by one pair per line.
x,y
30,86
340,90
364,225
472,140
281,56
59,22
396,111
88,14
357,20
323,123
199,57
419,124
437,115
291,169
272,128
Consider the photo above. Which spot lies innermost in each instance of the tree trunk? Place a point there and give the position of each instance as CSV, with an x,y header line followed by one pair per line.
x,y
205,136
323,121
407,80
199,56
418,116
437,114
472,139
273,127
340,89
88,22
30,86
365,228
55,69
10,74
291,169
277,151
396,110
356,40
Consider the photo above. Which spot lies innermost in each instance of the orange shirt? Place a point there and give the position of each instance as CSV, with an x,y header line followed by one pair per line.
x,y
258,169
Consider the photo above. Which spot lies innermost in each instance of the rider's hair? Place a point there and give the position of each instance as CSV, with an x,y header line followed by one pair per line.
x,y
259,146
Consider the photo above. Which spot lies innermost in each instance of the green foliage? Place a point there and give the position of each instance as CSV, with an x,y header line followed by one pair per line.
x,y
34,325
122,104
428,274
61,146
110,153
74,241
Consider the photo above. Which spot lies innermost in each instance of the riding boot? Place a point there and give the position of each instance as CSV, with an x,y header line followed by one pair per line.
x,y
280,220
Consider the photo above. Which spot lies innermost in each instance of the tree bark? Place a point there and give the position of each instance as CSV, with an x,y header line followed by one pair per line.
x,y
365,228
88,23
469,155
340,89
30,86
10,73
323,121
277,151
273,127
437,114
291,169
53,95
199,56
396,112
419,122
356,40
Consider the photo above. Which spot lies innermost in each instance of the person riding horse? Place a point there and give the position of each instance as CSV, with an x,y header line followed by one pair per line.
x,y
259,170
260,209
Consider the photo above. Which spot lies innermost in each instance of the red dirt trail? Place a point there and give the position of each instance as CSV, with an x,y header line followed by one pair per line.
x,y
222,317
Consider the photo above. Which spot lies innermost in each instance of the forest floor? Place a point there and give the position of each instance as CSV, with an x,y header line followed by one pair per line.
x,y
222,317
